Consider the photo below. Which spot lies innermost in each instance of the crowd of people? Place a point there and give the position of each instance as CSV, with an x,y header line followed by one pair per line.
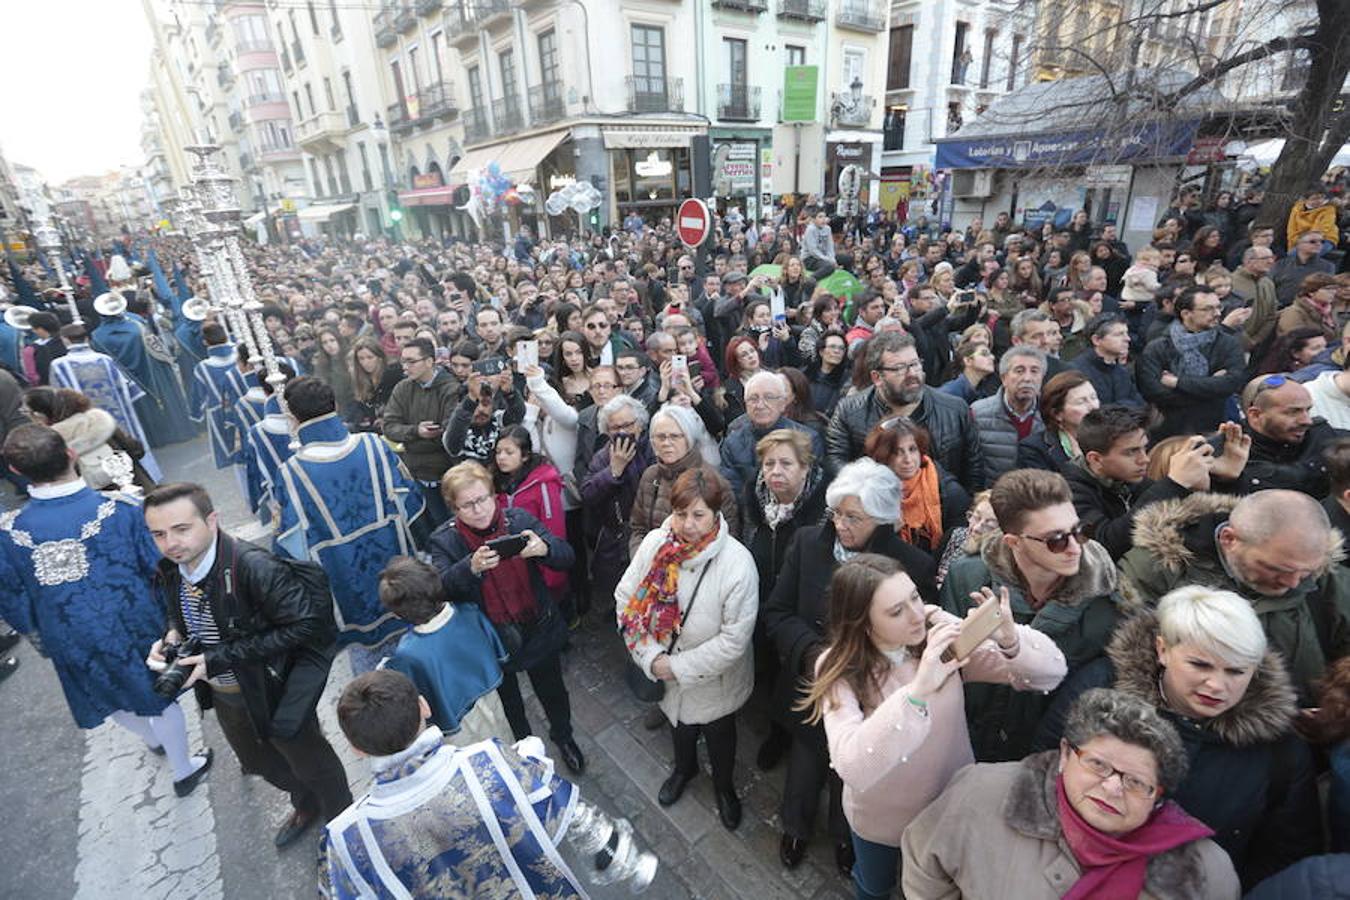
x,y
1030,545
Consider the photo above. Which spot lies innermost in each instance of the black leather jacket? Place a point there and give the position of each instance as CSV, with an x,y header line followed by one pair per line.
x,y
278,642
955,440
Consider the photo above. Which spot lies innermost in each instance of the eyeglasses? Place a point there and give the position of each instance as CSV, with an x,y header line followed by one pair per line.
x,y
474,503
852,520
597,326
409,361
1059,541
1104,770
667,438
765,400
915,366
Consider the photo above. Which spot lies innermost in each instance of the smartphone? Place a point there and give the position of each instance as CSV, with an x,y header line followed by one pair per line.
x,y
679,364
509,546
975,630
527,355
493,365
695,369
778,308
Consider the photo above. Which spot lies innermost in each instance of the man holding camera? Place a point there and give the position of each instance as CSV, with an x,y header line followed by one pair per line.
x,y
489,405
255,643
415,417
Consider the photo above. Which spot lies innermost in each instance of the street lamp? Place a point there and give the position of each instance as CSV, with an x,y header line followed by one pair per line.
x,y
49,242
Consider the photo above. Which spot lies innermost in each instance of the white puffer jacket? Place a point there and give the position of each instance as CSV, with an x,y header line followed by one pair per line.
x,y
712,660
88,433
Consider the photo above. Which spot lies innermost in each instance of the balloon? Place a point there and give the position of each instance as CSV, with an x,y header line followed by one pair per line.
x,y
555,205
511,197
494,168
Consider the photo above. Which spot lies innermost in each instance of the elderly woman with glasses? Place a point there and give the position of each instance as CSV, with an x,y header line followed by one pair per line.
x,y
863,505
1202,660
1061,583
1089,819
677,439
611,488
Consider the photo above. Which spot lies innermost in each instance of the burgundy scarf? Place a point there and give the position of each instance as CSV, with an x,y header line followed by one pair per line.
x,y
1114,866
508,594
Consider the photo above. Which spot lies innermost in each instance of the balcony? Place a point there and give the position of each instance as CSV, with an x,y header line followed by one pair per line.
x,y
245,161
487,12
427,7
224,75
236,122
298,53
397,118
861,15
476,127
405,19
546,103
252,45
737,103
385,35
258,99
460,28
353,117
747,6
802,10
506,115
321,129
850,110
436,100
648,94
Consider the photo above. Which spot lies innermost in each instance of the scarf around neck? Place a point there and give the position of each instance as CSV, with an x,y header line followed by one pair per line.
x,y
1193,347
1114,866
775,513
508,592
653,610
921,508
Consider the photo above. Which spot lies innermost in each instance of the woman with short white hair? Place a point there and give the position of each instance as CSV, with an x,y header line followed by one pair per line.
x,y
1202,659
611,487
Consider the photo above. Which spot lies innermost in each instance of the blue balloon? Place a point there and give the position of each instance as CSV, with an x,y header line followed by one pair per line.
x,y
494,168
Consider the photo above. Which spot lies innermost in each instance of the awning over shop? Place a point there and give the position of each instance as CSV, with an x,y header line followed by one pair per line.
x,y
434,196
319,212
517,159
1266,152
254,219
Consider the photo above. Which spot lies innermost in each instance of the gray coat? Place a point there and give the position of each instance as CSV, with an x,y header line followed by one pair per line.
x,y
998,436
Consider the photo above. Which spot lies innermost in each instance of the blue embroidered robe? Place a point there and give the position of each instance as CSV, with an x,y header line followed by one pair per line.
x,y
266,447
455,823
102,380
11,348
212,399
251,408
348,503
192,348
163,409
96,614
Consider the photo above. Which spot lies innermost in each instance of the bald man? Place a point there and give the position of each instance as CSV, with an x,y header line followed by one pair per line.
x,y
1288,442
1275,547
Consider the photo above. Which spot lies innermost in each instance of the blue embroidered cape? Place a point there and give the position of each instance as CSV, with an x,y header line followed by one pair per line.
x,y
212,399
163,410
102,380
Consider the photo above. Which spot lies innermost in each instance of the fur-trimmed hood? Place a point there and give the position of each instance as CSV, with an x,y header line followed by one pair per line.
x,y
1264,714
1162,529
86,431
1097,574
1031,808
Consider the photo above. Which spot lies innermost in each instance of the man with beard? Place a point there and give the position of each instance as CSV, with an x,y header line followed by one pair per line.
x,y
898,389
1276,548
1190,370
1011,414
1287,442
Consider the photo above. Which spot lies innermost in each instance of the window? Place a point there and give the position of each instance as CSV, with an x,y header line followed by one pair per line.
x,y
1014,60
476,88
988,59
548,57
507,60
397,70
796,55
344,179
894,128
649,59
854,67
295,32
901,58
328,170
365,166
337,25
295,102
735,56
960,54
414,69
328,93
309,96
313,18
347,88
314,172
437,50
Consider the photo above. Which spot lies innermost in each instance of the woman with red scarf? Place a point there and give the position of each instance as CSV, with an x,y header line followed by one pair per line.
x,y
1089,821
686,608
512,591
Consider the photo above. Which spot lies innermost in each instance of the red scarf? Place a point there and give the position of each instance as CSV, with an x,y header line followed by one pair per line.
x,y
1114,866
508,593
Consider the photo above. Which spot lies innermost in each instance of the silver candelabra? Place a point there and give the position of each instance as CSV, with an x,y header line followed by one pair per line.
x,y
612,847
49,242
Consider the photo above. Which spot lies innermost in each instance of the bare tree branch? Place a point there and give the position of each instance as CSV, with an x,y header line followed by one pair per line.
x,y
1224,66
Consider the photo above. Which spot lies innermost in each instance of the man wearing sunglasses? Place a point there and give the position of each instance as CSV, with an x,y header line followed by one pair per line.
x,y
1059,581
1288,442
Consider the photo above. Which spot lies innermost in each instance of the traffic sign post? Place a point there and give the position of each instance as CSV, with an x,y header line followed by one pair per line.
x,y
693,223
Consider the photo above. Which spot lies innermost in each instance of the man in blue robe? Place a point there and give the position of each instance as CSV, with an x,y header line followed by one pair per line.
x,y
266,446
245,382
347,503
455,823
212,398
163,409
102,380
77,568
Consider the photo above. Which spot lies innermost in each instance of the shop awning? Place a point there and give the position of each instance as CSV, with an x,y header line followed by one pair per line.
x,y
319,212
254,219
1266,152
517,159
434,196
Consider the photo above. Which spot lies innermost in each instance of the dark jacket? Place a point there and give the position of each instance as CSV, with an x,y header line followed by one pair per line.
x,y
609,502
739,463
1324,877
1197,404
795,616
364,416
1272,464
1107,511
1114,383
769,546
466,440
1042,450
411,404
1250,778
955,440
826,387
1079,618
998,434
652,504
277,642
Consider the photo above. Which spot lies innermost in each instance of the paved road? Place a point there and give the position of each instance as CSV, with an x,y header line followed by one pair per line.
x,y
92,815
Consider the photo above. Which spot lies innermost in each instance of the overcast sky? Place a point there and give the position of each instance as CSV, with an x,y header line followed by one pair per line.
x,y
72,72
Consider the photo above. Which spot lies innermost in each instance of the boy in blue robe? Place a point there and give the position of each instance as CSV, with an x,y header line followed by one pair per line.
x,y
442,821
212,398
266,446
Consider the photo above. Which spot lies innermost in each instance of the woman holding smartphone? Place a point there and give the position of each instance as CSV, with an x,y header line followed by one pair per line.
x,y
894,715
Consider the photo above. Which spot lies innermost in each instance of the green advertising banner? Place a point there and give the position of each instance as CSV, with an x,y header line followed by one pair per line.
x,y
799,93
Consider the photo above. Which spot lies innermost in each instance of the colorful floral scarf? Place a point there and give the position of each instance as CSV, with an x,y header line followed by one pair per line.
x,y
653,611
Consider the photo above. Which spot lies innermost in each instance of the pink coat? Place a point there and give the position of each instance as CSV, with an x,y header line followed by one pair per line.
x,y
540,495
894,760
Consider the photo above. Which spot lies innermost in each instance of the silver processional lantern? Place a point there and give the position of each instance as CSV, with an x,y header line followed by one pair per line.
x,y
49,242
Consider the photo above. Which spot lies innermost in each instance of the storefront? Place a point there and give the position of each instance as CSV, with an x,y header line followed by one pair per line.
x,y
651,170
840,154
430,204
736,172
332,220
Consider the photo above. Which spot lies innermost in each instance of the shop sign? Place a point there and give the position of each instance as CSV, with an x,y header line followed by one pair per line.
x,y
800,84
1207,150
560,181
427,180
738,168
287,205
766,164
619,139
1108,176
1151,140
653,166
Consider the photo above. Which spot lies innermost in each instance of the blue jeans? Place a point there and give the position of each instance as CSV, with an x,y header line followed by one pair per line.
x,y
874,869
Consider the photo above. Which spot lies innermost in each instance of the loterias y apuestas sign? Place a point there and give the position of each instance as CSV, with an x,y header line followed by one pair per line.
x,y
1151,140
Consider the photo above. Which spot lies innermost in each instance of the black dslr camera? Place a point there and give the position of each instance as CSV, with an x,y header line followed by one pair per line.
x,y
170,682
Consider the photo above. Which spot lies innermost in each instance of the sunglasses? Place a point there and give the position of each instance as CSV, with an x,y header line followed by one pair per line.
x,y
1269,383
1059,541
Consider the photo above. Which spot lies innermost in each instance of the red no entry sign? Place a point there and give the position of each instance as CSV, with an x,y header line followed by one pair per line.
x,y
693,222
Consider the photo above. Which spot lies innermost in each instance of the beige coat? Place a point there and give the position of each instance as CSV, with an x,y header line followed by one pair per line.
x,y
994,832
712,659
88,433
